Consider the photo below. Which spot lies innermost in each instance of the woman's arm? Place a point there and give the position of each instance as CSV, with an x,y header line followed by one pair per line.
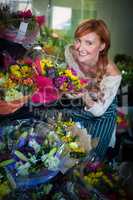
x,y
110,85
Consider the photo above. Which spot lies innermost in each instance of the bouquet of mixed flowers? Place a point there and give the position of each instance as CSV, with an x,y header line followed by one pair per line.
x,y
104,180
39,150
16,85
21,26
58,79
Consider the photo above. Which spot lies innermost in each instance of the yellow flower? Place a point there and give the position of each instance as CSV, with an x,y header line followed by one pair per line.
x,y
106,179
17,74
9,84
69,123
68,72
119,120
26,71
64,87
73,78
78,149
73,145
46,63
14,68
67,138
87,179
60,73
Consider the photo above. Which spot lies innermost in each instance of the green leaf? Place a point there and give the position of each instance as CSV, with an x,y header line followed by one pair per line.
x,y
21,155
6,162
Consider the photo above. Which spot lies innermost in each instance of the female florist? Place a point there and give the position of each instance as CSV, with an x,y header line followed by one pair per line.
x,y
44,152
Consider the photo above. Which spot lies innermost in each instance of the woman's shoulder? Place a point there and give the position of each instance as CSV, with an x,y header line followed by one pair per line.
x,y
112,69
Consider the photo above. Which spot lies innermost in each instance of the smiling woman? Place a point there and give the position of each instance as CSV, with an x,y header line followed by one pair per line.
x,y
89,56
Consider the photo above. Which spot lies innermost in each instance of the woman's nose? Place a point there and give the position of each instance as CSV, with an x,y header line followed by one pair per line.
x,y
80,46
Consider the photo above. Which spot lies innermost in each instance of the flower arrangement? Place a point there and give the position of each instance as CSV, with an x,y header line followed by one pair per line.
x,y
103,179
68,81
10,23
57,77
16,85
41,149
53,42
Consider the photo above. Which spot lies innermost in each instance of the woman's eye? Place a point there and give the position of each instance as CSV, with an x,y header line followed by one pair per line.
x,y
88,42
77,41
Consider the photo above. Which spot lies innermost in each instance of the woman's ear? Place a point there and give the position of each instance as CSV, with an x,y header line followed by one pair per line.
x,y
102,47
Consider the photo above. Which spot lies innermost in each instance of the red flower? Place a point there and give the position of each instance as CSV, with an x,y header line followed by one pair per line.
x,y
40,20
25,14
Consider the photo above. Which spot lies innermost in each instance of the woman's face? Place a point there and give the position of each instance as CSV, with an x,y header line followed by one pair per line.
x,y
88,48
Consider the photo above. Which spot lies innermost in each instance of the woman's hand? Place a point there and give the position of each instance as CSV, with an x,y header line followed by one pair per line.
x,y
87,99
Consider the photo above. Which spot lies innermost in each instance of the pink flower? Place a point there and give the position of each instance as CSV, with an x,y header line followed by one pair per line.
x,y
84,81
94,165
25,14
40,20
28,61
46,92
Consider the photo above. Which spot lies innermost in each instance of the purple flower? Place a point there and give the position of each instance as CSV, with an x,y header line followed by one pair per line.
x,y
94,165
60,80
70,86
73,71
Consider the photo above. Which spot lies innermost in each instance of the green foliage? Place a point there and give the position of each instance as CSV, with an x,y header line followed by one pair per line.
x,y
125,65
53,42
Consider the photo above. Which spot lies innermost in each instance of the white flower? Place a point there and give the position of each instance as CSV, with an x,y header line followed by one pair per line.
x,y
44,157
52,163
12,94
23,168
34,145
33,159
73,145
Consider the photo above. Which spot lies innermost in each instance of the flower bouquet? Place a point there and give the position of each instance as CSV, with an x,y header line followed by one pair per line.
x,y
16,86
20,27
39,150
104,180
57,77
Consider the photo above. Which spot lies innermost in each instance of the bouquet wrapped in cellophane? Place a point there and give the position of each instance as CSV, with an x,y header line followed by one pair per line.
x,y
16,86
39,150
19,26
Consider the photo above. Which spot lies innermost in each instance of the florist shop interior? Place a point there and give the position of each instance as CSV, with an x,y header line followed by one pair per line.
x,y
44,152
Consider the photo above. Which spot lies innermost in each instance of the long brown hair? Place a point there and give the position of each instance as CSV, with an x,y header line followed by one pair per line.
x,y
100,28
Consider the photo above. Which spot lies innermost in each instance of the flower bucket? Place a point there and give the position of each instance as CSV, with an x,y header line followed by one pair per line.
x,y
12,106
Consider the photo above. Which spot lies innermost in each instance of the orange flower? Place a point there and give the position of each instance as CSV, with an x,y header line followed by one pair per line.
x,y
28,82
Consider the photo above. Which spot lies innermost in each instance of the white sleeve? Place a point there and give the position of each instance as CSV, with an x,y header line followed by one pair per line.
x,y
110,87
